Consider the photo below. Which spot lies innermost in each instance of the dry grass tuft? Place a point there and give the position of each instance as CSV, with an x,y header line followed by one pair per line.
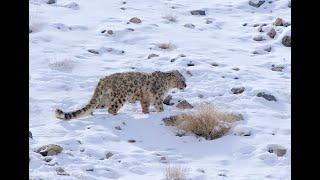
x,y
175,173
207,122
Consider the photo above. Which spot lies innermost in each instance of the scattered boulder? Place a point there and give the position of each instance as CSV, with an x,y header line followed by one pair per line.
x,y
49,150
131,141
123,8
201,170
198,12
256,25
289,4
135,20
214,64
51,1
277,68
258,38
124,2
93,51
110,32
30,135
266,96
286,41
173,60
237,90
209,21
170,121
286,24
118,128
244,24
164,46
109,154
200,96
272,33
256,3
236,69
47,159
279,22
182,55
130,29
268,49
190,63
243,133
167,100
62,172
276,149
89,169
152,56
189,25
184,105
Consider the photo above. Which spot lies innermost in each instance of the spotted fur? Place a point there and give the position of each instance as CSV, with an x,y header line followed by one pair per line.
x,y
114,90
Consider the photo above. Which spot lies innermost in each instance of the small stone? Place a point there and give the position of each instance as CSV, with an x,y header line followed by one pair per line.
x,y
130,29
103,31
89,169
244,24
182,55
235,78
152,56
286,41
237,90
189,25
118,128
124,2
214,64
198,12
30,135
268,49
109,154
51,1
286,24
209,21
236,69
277,149
272,33
266,96
131,141
279,22
277,68
163,158
170,121
164,45
167,100
173,60
49,150
256,3
289,4
189,73
190,64
180,134
47,159
122,8
184,105
200,96
93,51
256,25
82,150
258,38
135,20
61,171
201,170
110,32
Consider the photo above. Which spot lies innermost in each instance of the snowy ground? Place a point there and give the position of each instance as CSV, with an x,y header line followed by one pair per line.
x,y
64,74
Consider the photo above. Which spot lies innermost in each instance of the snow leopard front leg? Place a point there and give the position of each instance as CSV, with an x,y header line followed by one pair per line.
x,y
158,102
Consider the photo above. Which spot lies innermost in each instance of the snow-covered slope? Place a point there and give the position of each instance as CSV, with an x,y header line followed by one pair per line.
x,y
64,74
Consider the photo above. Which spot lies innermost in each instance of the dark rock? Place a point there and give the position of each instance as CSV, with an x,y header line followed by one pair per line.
x,y
167,100
122,8
289,4
103,31
256,25
209,21
236,69
131,141
124,2
110,32
72,5
286,41
244,24
62,172
135,20
266,96
268,49
198,12
109,154
256,3
47,159
272,33
30,135
286,24
200,96
49,150
190,64
152,56
89,169
184,105
214,64
237,90
118,128
277,68
51,1
93,51
182,55
173,60
130,29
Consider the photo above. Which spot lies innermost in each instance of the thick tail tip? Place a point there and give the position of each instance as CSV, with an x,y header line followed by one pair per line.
x,y
59,114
